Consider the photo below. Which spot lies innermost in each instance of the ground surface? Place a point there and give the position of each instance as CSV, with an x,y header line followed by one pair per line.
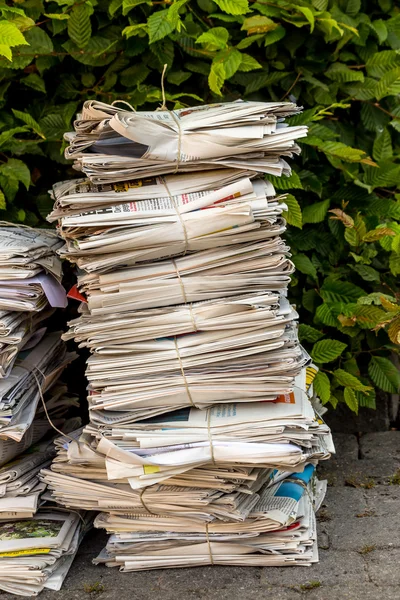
x,y
359,540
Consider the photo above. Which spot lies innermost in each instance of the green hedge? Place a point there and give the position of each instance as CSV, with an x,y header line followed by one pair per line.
x,y
340,59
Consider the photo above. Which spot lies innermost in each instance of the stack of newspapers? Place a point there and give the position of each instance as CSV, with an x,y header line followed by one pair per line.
x,y
32,402
30,289
37,553
203,440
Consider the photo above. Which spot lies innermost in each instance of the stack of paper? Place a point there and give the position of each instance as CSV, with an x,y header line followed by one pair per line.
x,y
30,289
36,546
20,487
113,144
203,441
36,553
280,530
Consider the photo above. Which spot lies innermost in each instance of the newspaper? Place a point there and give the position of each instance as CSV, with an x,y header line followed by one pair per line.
x,y
19,393
35,551
30,289
203,437
281,531
111,144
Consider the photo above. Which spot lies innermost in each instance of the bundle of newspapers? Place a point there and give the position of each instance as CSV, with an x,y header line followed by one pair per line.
x,y
33,401
30,289
37,552
203,440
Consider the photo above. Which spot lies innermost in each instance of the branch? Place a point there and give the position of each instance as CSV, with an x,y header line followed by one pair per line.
x,y
299,74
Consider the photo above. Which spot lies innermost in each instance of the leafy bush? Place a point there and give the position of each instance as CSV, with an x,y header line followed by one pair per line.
x,y
339,58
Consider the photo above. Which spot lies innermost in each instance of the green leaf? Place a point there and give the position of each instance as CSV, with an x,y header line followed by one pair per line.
x,y
79,26
230,59
141,29
29,121
384,374
248,63
388,85
394,263
352,7
5,136
16,169
293,214
366,399
327,350
9,185
381,62
264,80
5,51
349,381
98,52
375,298
214,38
316,212
380,30
258,24
335,291
127,5
325,314
287,182
351,399
35,82
367,317
226,18
2,201
10,35
58,16
309,334
216,78
320,4
304,265
366,272
343,152
274,36
309,15
382,148
173,13
159,26
343,74
322,387
233,7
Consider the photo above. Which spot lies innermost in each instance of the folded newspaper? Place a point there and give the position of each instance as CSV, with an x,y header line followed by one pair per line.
x,y
38,367
112,144
20,487
213,215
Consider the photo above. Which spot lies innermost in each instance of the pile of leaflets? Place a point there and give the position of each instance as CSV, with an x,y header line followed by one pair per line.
x,y
203,440
32,402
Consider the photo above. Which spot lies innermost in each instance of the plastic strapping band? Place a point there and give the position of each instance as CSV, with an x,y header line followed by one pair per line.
x,y
189,395
176,207
210,439
209,545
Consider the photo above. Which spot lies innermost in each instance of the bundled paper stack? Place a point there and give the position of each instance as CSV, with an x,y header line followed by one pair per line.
x,y
203,440
32,401
37,553
30,289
